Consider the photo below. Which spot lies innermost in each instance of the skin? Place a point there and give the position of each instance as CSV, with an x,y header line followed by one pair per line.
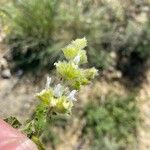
x,y
12,139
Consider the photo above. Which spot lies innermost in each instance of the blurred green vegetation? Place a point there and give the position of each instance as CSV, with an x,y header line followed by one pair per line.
x,y
112,122
38,29
31,26
49,135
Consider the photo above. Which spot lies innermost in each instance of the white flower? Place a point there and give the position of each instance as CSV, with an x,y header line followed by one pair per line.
x,y
71,95
48,82
58,90
76,60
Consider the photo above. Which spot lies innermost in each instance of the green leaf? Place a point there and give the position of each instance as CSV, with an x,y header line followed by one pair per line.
x,y
13,121
40,118
36,125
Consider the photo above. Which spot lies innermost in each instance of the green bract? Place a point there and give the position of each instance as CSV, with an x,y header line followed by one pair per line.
x,y
63,105
90,73
70,52
68,71
45,95
74,75
79,43
83,57
76,49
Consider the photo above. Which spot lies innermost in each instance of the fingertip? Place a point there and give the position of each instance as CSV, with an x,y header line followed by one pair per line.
x,y
13,139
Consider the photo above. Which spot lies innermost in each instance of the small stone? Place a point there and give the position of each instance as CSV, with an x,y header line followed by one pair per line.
x,y
2,36
3,63
19,73
113,55
6,74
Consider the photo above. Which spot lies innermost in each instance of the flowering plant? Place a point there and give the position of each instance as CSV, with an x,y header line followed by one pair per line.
x,y
59,99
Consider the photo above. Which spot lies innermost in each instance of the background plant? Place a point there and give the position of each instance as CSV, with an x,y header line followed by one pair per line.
x,y
112,123
111,27
108,26
31,32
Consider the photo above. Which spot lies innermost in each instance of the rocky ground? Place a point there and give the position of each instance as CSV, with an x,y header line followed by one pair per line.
x,y
15,94
144,106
